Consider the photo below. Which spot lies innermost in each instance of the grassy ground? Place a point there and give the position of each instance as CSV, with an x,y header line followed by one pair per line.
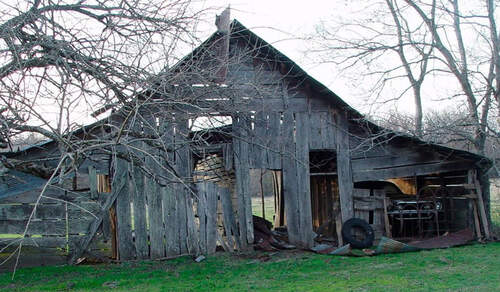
x,y
469,268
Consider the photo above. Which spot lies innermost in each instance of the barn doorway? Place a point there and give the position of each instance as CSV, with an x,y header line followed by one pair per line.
x,y
325,205
265,191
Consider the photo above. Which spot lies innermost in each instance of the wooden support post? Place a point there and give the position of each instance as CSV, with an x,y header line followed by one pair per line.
x,y
477,225
386,219
241,167
303,180
344,168
338,228
480,203
290,187
262,194
228,217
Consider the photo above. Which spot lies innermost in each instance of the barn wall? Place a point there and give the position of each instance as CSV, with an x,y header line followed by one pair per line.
x,y
60,221
283,123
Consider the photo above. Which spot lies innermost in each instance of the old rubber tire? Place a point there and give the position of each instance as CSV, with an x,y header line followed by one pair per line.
x,y
348,237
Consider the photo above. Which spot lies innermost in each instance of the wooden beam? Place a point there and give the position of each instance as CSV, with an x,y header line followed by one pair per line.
x,y
480,203
345,176
241,166
304,195
387,225
290,185
410,170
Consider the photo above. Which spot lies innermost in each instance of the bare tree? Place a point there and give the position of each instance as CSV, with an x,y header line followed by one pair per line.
x,y
457,45
61,60
376,43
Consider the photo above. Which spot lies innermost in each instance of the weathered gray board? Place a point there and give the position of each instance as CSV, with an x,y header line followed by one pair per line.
x,y
126,249
344,168
58,223
169,225
207,215
303,181
241,126
379,161
370,207
296,168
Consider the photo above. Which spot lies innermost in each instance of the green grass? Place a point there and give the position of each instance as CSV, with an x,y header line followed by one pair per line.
x,y
469,268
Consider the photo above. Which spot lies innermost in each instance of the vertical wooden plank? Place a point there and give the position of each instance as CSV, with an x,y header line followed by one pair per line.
x,y
126,249
378,214
93,182
259,145
387,225
153,197
183,165
172,247
227,153
113,231
168,197
211,195
323,119
303,179
242,169
274,140
315,127
229,222
139,207
202,210
193,239
480,203
344,168
138,198
330,131
477,226
290,187
156,230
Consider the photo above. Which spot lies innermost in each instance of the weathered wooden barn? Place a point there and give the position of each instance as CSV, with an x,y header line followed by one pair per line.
x,y
329,163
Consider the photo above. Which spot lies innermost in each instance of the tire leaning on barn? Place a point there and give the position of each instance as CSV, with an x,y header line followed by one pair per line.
x,y
359,224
